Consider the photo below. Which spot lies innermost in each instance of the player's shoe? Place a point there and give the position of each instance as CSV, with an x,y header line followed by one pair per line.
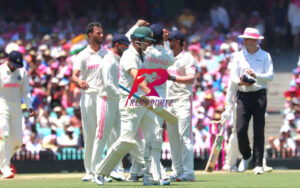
x,y
132,178
186,177
258,170
244,164
141,173
165,181
267,169
119,176
149,181
99,180
173,176
107,179
230,169
7,175
87,177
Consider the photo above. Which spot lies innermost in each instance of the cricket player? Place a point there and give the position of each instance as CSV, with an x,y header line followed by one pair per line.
x,y
14,86
179,89
158,56
132,115
86,77
109,104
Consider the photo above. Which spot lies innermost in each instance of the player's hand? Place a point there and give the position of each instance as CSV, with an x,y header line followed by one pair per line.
x,y
251,73
166,34
242,83
144,101
142,23
171,77
31,112
83,85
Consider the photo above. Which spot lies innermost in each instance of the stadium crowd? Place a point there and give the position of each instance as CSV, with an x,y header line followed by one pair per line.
x,y
49,49
287,143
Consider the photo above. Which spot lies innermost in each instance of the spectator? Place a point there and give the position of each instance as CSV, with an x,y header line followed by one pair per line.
x,y
68,138
186,19
43,118
293,18
75,120
219,17
284,145
279,23
61,120
50,141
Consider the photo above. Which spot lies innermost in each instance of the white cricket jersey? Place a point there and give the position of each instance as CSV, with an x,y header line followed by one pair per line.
x,y
13,87
129,60
109,76
260,62
185,64
88,62
158,57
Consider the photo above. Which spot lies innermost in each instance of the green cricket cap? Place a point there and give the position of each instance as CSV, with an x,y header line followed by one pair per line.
x,y
143,32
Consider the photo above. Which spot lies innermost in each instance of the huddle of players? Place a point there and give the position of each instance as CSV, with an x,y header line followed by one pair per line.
x,y
107,120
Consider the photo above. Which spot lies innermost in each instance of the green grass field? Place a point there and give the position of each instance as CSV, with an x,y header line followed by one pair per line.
x,y
277,178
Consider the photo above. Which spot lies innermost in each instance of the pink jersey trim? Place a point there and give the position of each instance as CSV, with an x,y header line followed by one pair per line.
x,y
11,85
102,118
191,113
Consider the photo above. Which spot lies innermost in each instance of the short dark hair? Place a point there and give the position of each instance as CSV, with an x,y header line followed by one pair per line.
x,y
90,27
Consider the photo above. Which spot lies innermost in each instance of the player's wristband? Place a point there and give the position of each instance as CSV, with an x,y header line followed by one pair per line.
x,y
173,78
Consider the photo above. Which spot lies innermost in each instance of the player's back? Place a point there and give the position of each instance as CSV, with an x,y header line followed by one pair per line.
x,y
157,57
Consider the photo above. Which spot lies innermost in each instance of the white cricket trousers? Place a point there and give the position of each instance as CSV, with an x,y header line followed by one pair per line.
x,y
181,137
131,118
11,137
89,104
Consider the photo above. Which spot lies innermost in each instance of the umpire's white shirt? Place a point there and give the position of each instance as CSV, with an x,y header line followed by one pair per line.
x,y
13,87
88,62
260,62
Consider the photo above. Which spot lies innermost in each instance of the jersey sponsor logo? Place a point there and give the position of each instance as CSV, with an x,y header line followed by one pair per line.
x,y
11,85
94,66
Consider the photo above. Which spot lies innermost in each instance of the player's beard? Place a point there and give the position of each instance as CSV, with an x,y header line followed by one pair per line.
x,y
98,40
120,51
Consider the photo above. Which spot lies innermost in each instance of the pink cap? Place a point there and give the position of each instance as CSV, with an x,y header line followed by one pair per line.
x,y
22,49
54,65
195,48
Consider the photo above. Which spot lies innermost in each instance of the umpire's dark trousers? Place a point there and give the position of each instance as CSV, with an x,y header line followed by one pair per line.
x,y
251,104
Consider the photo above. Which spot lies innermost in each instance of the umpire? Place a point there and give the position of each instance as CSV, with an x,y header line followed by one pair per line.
x,y
251,69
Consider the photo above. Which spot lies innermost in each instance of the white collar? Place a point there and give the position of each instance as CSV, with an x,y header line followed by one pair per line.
x,y
91,51
180,55
246,53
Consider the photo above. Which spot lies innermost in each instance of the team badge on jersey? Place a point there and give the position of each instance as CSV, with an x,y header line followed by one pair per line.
x,y
19,78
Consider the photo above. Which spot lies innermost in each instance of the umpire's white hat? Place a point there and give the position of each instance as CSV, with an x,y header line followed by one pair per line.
x,y
251,33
